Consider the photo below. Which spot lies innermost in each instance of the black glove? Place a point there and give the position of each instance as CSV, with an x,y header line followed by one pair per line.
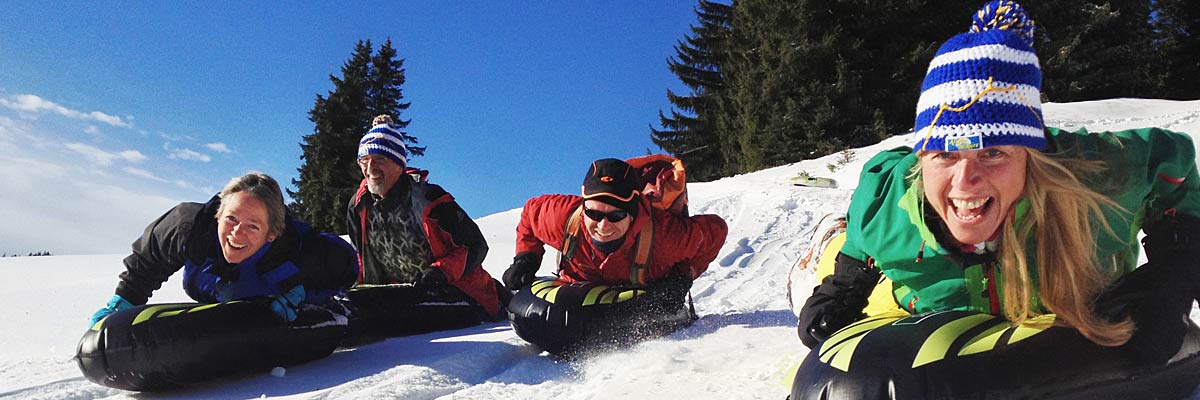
x,y
1174,243
1158,305
1158,295
522,271
837,301
674,287
432,278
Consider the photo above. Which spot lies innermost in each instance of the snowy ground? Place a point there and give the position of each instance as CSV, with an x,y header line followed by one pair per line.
x,y
743,347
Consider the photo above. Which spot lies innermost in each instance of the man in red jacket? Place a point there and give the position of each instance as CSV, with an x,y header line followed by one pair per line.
x,y
612,219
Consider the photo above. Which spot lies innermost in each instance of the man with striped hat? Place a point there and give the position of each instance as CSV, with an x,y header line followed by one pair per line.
x,y
410,232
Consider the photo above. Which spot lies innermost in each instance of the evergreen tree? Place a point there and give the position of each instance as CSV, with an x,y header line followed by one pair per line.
x,y
1177,33
1095,49
809,78
329,173
690,133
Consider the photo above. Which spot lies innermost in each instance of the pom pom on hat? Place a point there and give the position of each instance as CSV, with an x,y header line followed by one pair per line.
x,y
1004,15
983,87
383,139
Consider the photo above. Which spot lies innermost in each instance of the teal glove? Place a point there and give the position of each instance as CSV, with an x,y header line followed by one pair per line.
x,y
116,303
285,304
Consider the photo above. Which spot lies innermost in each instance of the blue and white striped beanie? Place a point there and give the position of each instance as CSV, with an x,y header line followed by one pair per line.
x,y
384,140
983,87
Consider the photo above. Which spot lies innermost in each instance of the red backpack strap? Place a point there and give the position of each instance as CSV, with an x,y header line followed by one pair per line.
x,y
572,230
362,219
641,255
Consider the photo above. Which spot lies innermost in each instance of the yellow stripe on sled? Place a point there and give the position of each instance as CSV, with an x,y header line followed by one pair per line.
x,y
984,341
593,295
837,350
149,312
629,294
552,294
1032,327
938,343
856,328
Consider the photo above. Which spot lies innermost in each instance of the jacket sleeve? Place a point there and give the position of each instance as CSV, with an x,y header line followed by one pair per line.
x,y
1170,168
157,254
326,262
694,240
542,223
466,245
837,301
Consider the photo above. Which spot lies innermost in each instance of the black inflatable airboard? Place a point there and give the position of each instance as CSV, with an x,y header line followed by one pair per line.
x,y
165,346
383,311
565,318
966,355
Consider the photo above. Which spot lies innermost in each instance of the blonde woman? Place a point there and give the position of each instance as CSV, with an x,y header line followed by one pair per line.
x,y
991,211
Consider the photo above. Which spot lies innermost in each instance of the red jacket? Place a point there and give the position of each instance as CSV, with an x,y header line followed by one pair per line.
x,y
456,244
690,242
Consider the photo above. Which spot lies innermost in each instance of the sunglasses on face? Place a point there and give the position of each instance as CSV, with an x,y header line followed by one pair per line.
x,y
611,216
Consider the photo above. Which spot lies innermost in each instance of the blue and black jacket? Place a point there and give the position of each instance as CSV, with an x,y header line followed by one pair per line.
x,y
186,236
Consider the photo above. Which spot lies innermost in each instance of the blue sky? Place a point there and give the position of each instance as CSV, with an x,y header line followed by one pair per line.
x,y
111,112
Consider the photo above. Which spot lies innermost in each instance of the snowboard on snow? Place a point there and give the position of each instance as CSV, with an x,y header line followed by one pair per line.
x,y
811,181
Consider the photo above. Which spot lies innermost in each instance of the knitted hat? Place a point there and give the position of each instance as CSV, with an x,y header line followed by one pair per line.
x,y
983,87
384,140
613,182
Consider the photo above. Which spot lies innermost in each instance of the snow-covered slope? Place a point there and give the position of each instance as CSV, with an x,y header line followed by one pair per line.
x,y
743,347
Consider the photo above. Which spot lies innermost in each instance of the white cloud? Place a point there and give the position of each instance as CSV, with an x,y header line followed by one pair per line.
x,y
132,156
91,129
218,147
34,104
104,158
189,154
143,173
71,223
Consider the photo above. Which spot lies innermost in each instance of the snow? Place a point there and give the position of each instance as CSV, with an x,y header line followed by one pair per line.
x,y
743,347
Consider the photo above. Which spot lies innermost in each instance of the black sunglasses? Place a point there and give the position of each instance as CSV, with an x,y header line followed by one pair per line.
x,y
611,216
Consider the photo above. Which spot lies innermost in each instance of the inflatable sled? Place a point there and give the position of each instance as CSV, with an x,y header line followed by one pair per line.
x,y
567,318
383,311
165,346
961,354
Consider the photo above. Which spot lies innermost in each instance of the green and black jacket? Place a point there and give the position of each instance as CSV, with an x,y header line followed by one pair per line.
x,y
1148,172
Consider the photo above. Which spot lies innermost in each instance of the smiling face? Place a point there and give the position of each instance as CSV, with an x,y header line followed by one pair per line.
x,y
973,190
242,226
605,230
381,173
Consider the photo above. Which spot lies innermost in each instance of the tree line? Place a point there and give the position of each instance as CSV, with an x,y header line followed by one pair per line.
x,y
770,82
32,254
773,82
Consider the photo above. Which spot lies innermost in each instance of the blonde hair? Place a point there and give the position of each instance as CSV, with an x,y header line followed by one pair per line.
x,y
1061,211
266,190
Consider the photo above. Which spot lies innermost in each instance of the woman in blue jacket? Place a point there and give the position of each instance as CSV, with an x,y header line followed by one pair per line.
x,y
241,243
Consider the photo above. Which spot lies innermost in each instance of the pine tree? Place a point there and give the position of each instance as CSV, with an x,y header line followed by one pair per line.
x,y
385,95
329,173
1177,37
690,133
1095,49
809,78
